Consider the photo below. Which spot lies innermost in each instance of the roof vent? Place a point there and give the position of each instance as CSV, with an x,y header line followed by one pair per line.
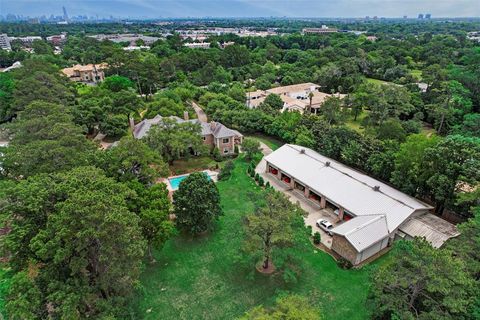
x,y
376,188
302,151
327,164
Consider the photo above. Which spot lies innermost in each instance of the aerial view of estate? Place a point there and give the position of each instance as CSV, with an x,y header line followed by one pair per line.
x,y
240,159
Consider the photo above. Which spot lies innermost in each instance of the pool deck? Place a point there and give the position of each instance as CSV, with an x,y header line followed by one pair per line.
x,y
213,175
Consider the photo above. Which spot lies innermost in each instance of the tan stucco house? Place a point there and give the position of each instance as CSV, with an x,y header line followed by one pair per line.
x,y
90,73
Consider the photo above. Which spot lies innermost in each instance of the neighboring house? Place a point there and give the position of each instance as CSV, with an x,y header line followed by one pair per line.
x,y
197,45
214,134
323,30
26,41
15,65
5,42
58,39
130,38
90,73
370,214
295,97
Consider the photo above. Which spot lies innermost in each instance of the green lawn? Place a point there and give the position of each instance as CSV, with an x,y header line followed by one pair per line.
x,y
357,125
193,164
5,277
199,279
273,143
376,81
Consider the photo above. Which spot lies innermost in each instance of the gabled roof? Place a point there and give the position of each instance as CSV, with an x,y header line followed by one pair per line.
x,y
293,88
356,192
363,231
218,130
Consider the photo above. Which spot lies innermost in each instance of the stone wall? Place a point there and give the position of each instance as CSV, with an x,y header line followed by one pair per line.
x,y
341,246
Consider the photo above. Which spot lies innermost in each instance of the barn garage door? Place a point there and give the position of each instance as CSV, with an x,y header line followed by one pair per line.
x,y
373,249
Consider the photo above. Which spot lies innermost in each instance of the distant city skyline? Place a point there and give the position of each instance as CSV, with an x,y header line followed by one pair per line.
x,y
243,8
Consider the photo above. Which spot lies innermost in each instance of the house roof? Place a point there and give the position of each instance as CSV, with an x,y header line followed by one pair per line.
x,y
293,88
346,187
78,67
216,129
363,231
320,97
434,229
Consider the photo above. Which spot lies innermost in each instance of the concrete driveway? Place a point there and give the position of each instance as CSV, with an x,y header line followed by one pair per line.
x,y
313,210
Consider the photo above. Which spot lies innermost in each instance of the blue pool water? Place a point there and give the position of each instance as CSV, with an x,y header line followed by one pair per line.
x,y
175,182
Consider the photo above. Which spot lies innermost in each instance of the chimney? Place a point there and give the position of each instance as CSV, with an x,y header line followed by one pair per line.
x,y
185,115
131,123
213,125
376,188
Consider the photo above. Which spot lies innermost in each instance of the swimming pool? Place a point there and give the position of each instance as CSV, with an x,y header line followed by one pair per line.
x,y
175,181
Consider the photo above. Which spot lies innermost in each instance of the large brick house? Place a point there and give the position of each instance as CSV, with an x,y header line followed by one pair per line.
x,y
214,134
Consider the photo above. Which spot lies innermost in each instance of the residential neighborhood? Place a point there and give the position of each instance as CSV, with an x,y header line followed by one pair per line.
x,y
90,73
214,134
248,160
299,97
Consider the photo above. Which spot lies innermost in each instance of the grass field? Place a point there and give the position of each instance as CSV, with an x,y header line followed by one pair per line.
x,y
357,125
376,81
5,277
199,279
273,143
193,164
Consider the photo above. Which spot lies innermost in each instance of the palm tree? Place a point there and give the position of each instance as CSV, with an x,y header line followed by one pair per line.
x,y
310,97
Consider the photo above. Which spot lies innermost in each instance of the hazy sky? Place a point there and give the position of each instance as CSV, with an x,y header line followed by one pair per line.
x,y
244,8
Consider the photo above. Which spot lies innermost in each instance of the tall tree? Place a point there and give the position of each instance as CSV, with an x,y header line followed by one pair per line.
x,y
448,164
291,307
87,245
422,282
270,227
173,140
197,204
153,206
407,173
132,159
44,140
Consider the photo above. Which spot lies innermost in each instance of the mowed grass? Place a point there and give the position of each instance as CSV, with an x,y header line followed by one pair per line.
x,y
199,278
271,142
376,81
5,279
193,164
357,124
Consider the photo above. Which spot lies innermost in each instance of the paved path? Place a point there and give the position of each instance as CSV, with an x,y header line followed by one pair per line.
x,y
201,115
266,150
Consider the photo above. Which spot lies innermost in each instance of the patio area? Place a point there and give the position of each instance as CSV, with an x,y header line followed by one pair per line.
x,y
173,182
